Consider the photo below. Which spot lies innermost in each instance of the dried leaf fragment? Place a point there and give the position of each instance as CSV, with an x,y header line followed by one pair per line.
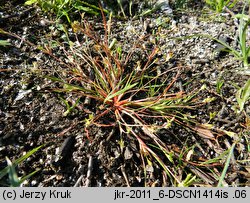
x,y
204,133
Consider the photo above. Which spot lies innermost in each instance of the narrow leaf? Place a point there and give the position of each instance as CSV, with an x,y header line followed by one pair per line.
x,y
223,174
203,132
30,2
4,171
122,91
28,176
4,43
243,94
13,178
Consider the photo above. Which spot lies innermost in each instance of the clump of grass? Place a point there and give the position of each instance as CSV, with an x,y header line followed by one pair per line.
x,y
134,97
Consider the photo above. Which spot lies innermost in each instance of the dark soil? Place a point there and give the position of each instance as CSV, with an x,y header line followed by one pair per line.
x,y
32,115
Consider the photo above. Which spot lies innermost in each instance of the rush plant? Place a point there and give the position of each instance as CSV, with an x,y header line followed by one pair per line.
x,y
132,96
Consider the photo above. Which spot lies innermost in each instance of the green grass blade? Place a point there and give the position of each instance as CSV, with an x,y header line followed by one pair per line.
x,y
4,171
14,181
30,2
223,174
216,159
248,51
28,154
54,79
67,87
13,178
243,94
4,43
95,7
188,181
28,176
246,91
122,91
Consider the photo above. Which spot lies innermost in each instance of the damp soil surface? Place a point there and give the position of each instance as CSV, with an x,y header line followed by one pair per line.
x,y
32,114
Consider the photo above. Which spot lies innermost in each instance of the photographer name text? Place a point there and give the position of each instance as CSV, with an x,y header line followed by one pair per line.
x,y
42,195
